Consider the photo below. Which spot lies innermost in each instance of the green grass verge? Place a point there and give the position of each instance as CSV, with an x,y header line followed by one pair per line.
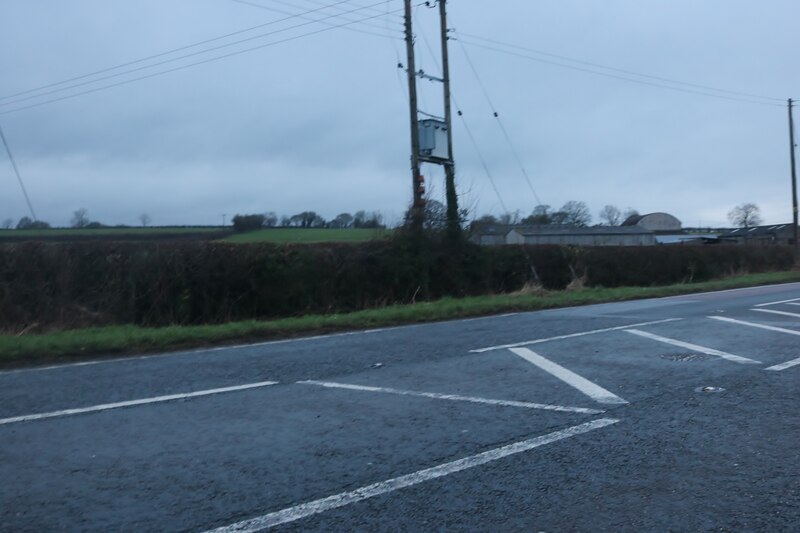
x,y
106,341
308,235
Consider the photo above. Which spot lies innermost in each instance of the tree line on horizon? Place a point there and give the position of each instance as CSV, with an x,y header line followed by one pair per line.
x,y
308,219
572,213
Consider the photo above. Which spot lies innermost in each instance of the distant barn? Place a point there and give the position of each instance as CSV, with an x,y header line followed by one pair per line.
x,y
573,236
495,234
780,234
657,222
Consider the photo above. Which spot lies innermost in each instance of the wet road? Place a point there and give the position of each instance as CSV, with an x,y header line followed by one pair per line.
x,y
670,414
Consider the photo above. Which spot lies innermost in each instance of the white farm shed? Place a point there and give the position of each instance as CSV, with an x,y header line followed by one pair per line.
x,y
573,236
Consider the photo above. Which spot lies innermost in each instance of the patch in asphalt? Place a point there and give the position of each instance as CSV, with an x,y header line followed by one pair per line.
x,y
709,389
684,357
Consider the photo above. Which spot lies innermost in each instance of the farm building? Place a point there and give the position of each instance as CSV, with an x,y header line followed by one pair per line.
x,y
686,238
490,234
574,236
496,234
780,234
657,222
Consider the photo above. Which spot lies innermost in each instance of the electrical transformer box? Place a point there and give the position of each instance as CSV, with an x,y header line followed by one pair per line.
x,y
433,139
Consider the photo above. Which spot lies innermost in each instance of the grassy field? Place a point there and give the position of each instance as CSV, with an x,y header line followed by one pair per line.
x,y
307,235
18,350
93,232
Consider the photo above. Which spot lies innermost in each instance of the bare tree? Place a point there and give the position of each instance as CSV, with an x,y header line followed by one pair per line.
x,y
509,219
8,223
540,215
374,220
576,214
362,219
80,218
745,215
307,219
342,220
145,219
28,223
629,212
270,219
610,216
435,215
486,220
317,222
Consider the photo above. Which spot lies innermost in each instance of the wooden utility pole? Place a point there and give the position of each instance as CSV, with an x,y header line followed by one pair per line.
x,y
794,179
453,219
417,208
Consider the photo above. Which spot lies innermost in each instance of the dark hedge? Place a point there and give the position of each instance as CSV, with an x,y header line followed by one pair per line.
x,y
98,283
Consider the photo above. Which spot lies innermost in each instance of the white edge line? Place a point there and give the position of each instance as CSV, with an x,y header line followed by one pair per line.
x,y
196,351
369,331
755,325
244,346
695,347
592,390
740,289
130,403
473,319
776,303
322,505
794,303
453,397
776,312
572,335
784,366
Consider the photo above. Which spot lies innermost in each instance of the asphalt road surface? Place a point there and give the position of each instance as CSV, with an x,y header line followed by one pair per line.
x,y
676,414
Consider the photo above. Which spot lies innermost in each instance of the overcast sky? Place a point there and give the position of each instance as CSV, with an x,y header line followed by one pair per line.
x,y
320,121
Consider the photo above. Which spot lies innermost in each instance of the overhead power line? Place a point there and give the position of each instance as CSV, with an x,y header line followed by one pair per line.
x,y
623,71
677,85
468,130
382,35
483,161
167,52
500,123
196,63
181,57
16,171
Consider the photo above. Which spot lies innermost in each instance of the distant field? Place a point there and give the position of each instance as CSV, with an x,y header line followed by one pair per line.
x,y
275,235
289,235
66,234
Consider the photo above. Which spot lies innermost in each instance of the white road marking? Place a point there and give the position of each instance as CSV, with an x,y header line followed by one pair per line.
x,y
794,303
694,347
596,392
571,335
322,505
250,345
453,397
756,325
778,302
505,315
197,351
143,401
774,312
784,366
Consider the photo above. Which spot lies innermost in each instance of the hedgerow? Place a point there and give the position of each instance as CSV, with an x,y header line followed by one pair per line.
x,y
63,285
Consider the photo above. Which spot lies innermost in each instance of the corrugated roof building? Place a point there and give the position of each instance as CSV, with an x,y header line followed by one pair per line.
x,y
658,222
574,236
779,234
